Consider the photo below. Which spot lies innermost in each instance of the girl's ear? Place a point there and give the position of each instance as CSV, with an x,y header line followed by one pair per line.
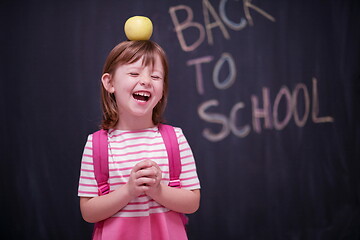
x,y
108,82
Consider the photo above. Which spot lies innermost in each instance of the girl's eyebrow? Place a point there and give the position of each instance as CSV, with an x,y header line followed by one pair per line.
x,y
157,70
160,71
133,67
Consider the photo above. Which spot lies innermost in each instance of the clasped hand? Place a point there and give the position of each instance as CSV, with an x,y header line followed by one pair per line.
x,y
144,178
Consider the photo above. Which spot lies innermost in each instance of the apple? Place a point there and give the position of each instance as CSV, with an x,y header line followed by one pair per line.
x,y
138,28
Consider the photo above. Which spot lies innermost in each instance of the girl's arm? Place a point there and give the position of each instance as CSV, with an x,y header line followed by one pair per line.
x,y
176,199
99,208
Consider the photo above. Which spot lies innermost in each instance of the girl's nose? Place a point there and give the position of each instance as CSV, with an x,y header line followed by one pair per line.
x,y
144,81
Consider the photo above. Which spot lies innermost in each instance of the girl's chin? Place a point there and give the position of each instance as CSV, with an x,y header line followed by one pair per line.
x,y
141,114
138,110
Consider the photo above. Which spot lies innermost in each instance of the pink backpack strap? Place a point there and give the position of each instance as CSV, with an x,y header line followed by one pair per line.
x,y
172,148
101,163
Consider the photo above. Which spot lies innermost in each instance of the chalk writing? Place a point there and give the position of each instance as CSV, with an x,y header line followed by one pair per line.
x,y
199,79
221,21
208,8
230,79
268,112
301,122
264,113
180,27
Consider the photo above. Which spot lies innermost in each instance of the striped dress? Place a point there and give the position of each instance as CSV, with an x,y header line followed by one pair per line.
x,y
142,218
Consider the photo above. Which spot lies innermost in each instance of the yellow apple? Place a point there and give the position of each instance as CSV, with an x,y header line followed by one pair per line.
x,y
138,28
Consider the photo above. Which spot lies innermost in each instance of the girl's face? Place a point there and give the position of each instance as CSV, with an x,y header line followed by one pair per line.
x,y
138,89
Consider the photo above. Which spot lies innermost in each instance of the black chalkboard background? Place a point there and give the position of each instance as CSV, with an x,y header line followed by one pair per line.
x,y
266,92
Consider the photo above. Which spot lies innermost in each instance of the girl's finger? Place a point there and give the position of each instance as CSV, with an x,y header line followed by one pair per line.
x,y
144,181
147,172
142,165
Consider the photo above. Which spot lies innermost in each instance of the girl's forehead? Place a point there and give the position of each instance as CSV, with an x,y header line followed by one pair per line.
x,y
154,63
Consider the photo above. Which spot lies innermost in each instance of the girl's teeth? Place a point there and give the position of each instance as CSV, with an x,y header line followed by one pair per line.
x,y
142,96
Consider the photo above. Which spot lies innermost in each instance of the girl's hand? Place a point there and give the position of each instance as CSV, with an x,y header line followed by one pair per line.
x,y
154,186
143,176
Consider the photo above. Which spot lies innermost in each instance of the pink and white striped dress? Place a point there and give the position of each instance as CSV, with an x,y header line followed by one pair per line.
x,y
142,218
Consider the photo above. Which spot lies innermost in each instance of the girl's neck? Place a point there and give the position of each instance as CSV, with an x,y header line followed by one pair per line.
x,y
134,124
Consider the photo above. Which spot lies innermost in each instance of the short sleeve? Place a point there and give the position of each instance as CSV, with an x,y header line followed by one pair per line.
x,y
87,181
188,177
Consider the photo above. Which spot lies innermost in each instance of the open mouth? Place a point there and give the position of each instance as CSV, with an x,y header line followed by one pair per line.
x,y
142,96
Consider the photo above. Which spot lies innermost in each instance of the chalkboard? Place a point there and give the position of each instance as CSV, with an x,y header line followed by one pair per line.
x,y
266,93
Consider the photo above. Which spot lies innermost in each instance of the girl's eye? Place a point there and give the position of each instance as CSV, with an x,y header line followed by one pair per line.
x,y
133,74
155,77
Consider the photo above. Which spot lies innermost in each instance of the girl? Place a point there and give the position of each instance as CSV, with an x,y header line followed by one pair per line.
x,y
140,204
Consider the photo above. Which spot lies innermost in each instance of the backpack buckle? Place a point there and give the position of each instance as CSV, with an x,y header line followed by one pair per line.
x,y
103,189
175,183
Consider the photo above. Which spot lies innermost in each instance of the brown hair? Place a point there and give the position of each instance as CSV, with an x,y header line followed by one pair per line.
x,y
128,52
